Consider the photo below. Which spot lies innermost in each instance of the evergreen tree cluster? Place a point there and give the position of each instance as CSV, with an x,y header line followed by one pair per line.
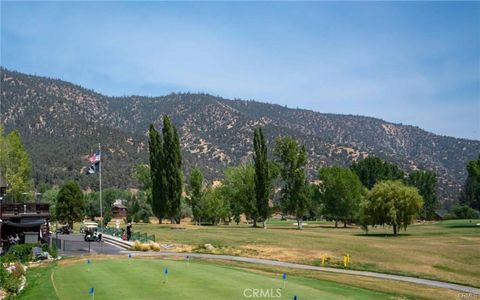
x,y
166,171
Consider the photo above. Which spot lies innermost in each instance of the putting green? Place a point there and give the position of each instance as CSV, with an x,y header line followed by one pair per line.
x,y
144,279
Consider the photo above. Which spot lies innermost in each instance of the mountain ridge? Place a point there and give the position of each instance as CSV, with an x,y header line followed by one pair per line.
x,y
215,132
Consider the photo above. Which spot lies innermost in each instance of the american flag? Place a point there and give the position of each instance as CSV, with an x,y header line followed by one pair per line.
x,y
95,157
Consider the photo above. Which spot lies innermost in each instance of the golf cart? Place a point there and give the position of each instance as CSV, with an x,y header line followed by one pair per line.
x,y
91,232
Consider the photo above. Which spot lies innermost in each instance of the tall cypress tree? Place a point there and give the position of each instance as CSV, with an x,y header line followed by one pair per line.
x,y
262,177
157,173
177,176
172,162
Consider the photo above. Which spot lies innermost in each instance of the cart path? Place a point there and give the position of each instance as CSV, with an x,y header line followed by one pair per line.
x,y
261,261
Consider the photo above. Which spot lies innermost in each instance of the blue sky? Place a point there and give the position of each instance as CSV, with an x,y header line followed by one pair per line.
x,y
411,62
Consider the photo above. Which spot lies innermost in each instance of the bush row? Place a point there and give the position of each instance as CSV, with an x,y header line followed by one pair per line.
x,y
24,252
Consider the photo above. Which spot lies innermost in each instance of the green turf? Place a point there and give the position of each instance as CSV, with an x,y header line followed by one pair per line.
x,y
143,279
39,284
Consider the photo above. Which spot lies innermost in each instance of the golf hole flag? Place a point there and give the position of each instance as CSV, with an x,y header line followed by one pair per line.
x,y
165,273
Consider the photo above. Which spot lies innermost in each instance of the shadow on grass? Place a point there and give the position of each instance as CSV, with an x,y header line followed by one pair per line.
x,y
462,226
333,227
382,235
294,227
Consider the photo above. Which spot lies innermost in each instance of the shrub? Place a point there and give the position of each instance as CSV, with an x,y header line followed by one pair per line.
x,y
464,212
3,274
17,270
11,284
137,246
53,251
155,246
22,253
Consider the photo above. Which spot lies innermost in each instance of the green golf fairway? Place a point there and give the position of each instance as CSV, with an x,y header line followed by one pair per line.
x,y
144,279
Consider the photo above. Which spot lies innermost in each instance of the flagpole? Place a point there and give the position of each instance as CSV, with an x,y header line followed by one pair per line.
x,y
100,179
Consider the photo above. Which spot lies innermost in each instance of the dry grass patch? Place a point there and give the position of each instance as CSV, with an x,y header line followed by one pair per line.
x,y
286,254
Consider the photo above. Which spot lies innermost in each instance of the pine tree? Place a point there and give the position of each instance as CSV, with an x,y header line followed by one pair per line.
x,y
262,176
373,169
70,205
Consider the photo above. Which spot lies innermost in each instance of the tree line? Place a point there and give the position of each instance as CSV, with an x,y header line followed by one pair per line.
x,y
339,194
370,192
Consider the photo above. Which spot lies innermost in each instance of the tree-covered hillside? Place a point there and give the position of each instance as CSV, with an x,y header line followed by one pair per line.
x,y
61,123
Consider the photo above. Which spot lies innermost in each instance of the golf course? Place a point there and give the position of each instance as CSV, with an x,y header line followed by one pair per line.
x,y
445,250
145,279
114,277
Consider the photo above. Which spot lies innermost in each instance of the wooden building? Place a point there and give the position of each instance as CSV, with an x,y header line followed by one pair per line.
x,y
28,221
119,210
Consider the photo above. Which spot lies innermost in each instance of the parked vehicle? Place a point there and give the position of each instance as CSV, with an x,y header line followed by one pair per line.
x,y
64,229
91,232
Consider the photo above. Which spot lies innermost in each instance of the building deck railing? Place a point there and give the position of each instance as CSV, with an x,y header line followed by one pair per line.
x,y
136,236
25,208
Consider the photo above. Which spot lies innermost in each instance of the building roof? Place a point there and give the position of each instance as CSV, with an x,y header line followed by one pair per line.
x,y
118,205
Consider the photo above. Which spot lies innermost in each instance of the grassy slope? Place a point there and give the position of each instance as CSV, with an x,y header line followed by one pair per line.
x,y
142,279
446,250
39,284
